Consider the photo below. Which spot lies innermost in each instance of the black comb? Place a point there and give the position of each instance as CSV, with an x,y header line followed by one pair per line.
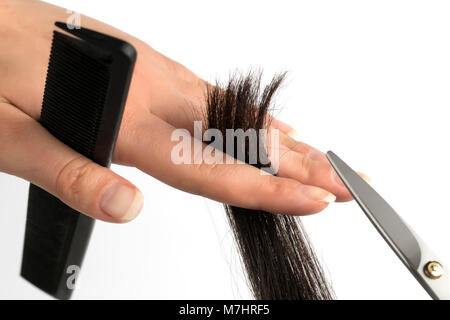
x,y
86,89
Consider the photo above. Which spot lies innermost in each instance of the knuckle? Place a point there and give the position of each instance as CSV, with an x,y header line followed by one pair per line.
x,y
72,179
273,185
305,166
208,170
10,132
141,46
271,188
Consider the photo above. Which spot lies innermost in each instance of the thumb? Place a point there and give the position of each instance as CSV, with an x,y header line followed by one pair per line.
x,y
31,152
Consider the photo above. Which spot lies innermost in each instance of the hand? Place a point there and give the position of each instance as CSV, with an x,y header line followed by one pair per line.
x,y
162,97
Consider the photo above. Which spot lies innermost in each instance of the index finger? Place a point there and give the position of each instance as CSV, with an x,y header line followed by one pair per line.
x,y
149,148
304,163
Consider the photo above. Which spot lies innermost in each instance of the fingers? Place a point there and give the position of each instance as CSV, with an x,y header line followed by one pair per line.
x,y
181,72
35,155
310,166
151,150
283,127
170,98
305,169
185,103
180,112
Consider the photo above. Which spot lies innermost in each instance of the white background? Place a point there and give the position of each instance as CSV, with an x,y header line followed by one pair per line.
x,y
368,79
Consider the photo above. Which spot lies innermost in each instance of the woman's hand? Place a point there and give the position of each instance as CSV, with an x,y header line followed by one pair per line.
x,y
163,96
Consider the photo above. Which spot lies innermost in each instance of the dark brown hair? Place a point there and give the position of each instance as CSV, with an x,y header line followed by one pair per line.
x,y
279,260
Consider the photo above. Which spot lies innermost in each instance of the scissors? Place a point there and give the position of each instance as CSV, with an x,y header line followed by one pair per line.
x,y
424,265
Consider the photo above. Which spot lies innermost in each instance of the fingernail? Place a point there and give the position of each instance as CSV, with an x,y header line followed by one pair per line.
x,y
317,194
366,178
293,133
122,202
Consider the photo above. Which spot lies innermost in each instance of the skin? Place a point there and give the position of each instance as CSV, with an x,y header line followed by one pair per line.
x,y
161,98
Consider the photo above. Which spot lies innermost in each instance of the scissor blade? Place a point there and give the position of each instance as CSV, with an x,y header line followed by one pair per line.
x,y
380,213
408,246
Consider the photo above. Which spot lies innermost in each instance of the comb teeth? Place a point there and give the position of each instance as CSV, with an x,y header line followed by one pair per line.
x,y
73,102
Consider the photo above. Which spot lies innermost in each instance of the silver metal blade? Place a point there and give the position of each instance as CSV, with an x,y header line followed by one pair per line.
x,y
384,218
411,250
